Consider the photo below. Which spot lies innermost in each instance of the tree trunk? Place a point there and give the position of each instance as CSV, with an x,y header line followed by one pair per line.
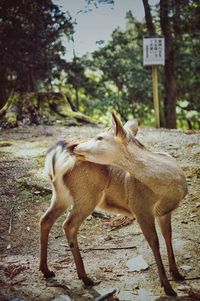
x,y
77,97
148,18
70,102
3,91
3,97
170,84
31,80
7,105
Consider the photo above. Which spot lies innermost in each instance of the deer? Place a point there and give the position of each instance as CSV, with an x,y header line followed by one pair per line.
x,y
160,185
79,187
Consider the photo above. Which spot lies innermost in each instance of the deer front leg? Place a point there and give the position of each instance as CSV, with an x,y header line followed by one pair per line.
x,y
166,229
147,225
46,223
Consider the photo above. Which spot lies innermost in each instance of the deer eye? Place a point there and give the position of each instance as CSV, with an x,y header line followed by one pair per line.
x,y
100,138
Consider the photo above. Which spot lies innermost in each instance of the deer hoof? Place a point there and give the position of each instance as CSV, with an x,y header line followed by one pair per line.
x,y
88,281
49,274
177,276
169,291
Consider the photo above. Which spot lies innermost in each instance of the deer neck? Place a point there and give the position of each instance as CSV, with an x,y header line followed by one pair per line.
x,y
158,172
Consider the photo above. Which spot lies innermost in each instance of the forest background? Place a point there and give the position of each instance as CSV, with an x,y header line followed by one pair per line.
x,y
40,86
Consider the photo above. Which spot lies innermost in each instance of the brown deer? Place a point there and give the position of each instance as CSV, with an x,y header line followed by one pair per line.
x,y
81,187
162,185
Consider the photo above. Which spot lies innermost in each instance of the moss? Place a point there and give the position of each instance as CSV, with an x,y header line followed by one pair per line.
x,y
9,120
33,189
80,117
41,160
27,194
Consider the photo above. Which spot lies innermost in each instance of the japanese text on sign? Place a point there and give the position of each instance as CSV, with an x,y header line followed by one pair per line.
x,y
153,51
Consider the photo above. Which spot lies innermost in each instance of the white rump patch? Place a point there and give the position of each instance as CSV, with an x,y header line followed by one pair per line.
x,y
63,162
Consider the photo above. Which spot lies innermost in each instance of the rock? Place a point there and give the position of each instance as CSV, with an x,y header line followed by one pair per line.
x,y
126,296
186,267
144,295
183,287
187,256
106,295
8,247
36,192
137,264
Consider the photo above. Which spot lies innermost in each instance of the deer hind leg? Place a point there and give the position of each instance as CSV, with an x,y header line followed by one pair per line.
x,y
46,223
147,224
71,227
166,229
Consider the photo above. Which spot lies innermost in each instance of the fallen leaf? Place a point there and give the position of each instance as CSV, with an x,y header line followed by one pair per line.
x,y
194,294
119,221
12,270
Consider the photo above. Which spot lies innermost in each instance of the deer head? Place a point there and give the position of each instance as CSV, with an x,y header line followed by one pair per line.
x,y
110,146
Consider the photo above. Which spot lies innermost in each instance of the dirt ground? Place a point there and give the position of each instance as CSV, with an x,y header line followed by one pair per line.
x,y
25,195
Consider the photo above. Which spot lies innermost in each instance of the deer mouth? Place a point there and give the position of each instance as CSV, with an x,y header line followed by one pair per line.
x,y
79,155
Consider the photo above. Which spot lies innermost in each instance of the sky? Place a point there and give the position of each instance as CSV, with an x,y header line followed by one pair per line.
x,y
97,24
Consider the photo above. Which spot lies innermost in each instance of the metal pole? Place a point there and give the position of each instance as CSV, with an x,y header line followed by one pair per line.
x,y
155,94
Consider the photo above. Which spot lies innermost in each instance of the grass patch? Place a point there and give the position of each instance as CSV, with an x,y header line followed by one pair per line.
x,y
41,160
33,191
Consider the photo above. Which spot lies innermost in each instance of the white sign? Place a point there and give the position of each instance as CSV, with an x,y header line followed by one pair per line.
x,y
153,51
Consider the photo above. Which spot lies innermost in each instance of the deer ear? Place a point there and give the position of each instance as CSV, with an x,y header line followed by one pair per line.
x,y
132,126
118,128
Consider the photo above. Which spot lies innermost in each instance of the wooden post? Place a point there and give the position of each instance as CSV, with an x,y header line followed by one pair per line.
x,y
155,94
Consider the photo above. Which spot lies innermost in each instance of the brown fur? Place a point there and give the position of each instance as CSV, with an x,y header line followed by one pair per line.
x,y
84,186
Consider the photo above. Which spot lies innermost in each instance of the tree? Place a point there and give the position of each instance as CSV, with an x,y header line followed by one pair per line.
x,y
123,82
179,24
30,44
187,44
169,81
178,21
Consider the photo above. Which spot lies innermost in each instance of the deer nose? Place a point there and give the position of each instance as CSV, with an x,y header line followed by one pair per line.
x,y
78,153
79,149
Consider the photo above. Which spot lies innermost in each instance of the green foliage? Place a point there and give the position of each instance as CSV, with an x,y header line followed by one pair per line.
x,y
30,44
187,45
186,117
121,82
